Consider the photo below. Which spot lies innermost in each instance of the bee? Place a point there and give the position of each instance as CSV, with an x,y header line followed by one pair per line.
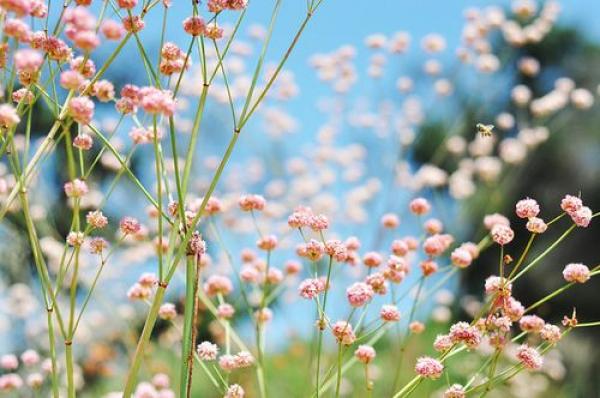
x,y
485,130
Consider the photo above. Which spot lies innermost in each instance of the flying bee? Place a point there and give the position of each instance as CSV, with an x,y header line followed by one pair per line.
x,y
485,130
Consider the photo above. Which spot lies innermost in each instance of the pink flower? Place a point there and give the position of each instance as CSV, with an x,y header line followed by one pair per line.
x,y
234,391
343,333
399,247
167,311
216,5
76,188
81,109
129,226
263,316
299,218
428,267
513,309
390,220
416,327
527,208
550,333
225,311
194,25
112,30
502,234
436,244
217,284
96,219
359,294
433,226
582,217
419,206
97,245
494,284
138,292
57,49
318,222
472,248
491,220
372,259
236,5
313,250
243,359
83,141
461,257
133,24
365,353
536,225
462,332
104,90
529,357
127,4
23,94
455,391
531,323
249,274
442,343
252,202
10,381
9,362
71,79
227,362
336,249
17,29
75,238
8,116
155,101
389,313
310,288
576,272
429,367
213,31
148,279
377,281
30,357
292,267
86,40
207,351
570,204
28,61
267,243
19,7
352,243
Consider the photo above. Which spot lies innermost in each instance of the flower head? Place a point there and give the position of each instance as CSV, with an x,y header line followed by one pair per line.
x,y
365,353
429,367
529,357
576,272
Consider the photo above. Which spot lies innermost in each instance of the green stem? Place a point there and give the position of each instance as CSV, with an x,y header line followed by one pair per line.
x,y
338,379
188,317
321,325
69,361
143,341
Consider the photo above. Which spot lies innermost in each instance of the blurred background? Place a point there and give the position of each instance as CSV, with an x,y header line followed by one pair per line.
x,y
374,137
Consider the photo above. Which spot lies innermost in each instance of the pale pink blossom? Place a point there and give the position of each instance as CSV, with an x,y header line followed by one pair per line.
x,y
359,293
529,357
365,353
429,368
501,234
527,208
577,273
389,313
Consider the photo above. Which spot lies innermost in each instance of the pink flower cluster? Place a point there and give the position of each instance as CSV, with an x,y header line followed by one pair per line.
x,y
580,214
